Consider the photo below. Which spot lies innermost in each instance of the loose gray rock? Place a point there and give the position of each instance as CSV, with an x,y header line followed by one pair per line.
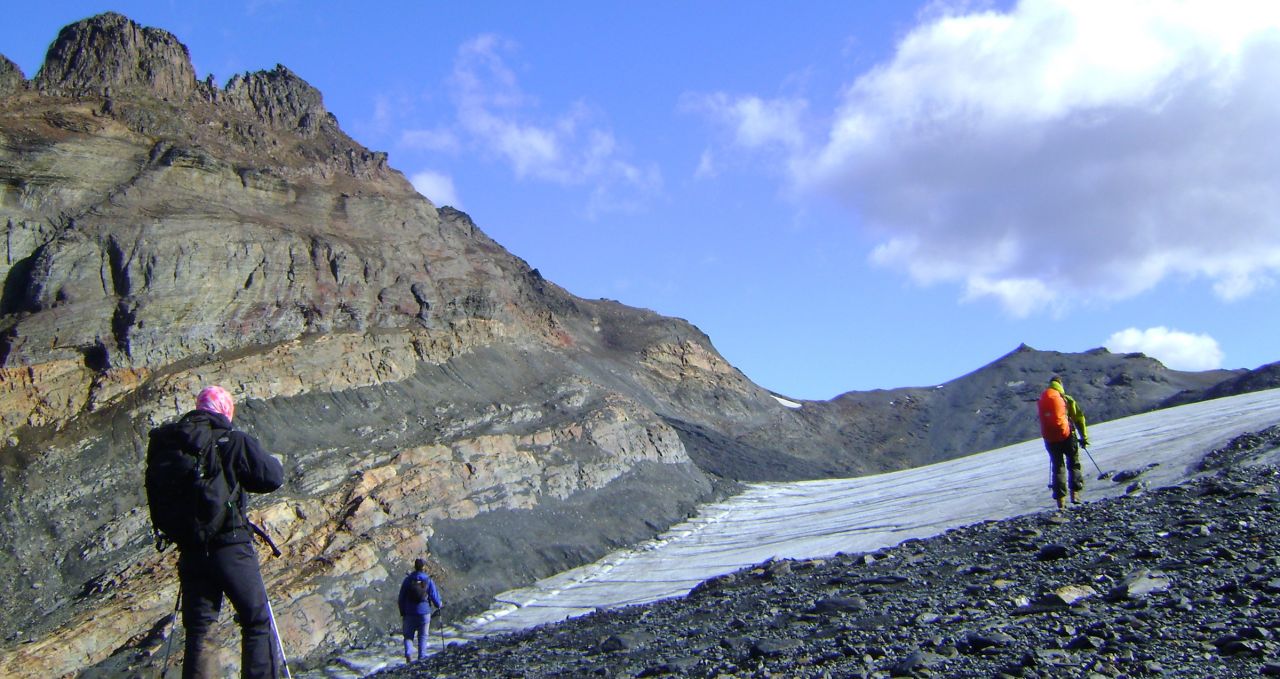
x,y
839,605
978,641
769,648
1053,552
1139,584
626,641
958,624
914,662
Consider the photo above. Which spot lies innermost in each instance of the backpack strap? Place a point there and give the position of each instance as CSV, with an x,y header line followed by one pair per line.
x,y
229,472
236,493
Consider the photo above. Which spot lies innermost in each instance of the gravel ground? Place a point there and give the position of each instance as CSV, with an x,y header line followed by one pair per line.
x,y
1181,581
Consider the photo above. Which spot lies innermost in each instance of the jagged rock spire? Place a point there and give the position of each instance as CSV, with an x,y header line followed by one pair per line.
x,y
11,78
109,54
280,98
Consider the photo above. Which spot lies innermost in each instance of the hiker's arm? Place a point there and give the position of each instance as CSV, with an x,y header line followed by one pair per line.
x,y
1077,416
259,472
433,593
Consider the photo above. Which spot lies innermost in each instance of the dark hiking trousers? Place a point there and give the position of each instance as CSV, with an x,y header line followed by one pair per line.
x,y
231,570
1064,466
416,626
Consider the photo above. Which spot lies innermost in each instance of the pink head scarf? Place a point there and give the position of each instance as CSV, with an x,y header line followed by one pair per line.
x,y
215,399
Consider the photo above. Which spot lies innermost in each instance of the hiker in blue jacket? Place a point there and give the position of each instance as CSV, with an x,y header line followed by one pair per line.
x,y
418,598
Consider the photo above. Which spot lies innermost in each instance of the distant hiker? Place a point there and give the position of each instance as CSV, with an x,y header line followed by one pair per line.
x,y
418,598
198,471
1061,422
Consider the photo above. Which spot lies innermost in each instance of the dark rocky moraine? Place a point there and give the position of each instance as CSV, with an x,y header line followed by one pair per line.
x,y
1181,581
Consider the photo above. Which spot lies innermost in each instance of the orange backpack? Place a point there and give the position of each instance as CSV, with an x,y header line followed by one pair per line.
x,y
1054,425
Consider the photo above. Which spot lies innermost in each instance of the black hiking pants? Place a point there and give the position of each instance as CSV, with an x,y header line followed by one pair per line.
x,y
1064,466
232,571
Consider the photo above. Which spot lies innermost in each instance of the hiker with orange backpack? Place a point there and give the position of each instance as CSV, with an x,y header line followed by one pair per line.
x,y
1062,425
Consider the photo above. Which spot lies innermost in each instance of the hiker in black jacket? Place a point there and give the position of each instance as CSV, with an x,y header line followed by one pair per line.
x,y
228,564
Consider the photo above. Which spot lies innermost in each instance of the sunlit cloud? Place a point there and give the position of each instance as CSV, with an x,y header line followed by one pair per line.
x,y
707,168
438,139
1174,348
754,122
1062,152
437,187
571,148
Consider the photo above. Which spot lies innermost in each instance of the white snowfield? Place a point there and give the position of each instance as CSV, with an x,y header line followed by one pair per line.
x,y
820,518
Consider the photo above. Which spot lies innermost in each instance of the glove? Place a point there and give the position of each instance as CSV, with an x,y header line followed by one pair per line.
x,y
1084,442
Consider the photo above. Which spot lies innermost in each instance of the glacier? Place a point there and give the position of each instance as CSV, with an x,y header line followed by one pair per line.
x,y
810,519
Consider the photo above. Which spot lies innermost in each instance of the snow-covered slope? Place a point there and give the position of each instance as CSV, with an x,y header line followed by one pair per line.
x,y
817,518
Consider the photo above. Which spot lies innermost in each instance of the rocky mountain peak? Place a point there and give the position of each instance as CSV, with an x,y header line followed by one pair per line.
x,y
280,98
11,78
109,54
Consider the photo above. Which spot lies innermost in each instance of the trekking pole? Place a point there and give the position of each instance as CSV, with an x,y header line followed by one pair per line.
x,y
279,644
173,630
1095,462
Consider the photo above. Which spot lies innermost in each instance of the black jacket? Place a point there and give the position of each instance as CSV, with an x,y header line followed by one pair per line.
x,y
245,462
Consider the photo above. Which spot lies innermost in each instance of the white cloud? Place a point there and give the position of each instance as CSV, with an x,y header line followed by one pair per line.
x,y
1174,348
707,168
438,139
382,114
1062,152
437,187
1021,296
753,122
571,148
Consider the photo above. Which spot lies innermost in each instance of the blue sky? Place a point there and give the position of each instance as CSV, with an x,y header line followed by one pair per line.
x,y
841,195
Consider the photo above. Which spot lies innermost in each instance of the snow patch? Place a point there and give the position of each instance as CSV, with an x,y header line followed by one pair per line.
x,y
785,402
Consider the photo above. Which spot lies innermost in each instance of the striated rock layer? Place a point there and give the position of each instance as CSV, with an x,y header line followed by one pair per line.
x,y
428,392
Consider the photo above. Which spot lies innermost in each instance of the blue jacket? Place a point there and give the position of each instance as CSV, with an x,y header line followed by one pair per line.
x,y
406,603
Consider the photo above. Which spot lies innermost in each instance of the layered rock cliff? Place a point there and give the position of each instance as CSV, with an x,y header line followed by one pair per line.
x,y
162,233
429,393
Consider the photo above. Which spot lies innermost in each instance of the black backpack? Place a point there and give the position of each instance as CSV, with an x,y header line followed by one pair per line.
x,y
417,590
191,496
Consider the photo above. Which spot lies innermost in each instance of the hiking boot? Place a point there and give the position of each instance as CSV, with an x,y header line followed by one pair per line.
x,y
1075,497
1062,503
